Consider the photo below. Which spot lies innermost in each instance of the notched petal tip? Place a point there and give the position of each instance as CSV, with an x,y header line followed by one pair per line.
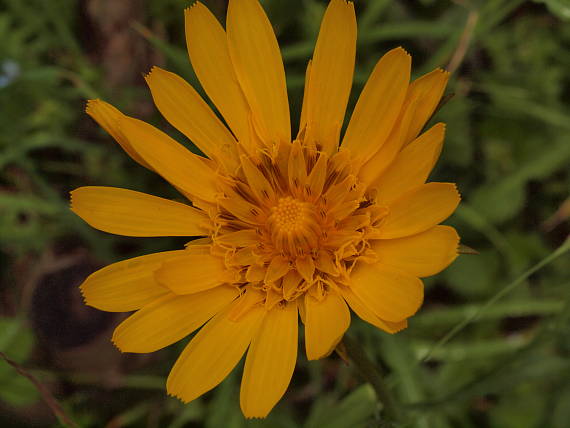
x,y
73,196
456,190
345,3
94,106
442,71
175,395
456,239
399,54
154,70
397,327
399,50
194,13
84,293
90,105
193,6
342,3
116,345
255,415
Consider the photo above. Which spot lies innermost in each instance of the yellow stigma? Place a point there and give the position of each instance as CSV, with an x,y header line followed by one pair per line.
x,y
293,226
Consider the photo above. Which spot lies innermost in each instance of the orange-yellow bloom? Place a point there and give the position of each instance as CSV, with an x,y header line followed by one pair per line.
x,y
310,225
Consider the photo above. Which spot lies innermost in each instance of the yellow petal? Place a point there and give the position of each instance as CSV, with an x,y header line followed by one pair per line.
x,y
290,284
331,75
182,168
325,324
428,89
259,68
371,170
126,285
391,294
108,118
258,183
240,238
419,209
306,267
424,254
270,361
212,354
379,105
193,272
251,299
255,273
301,306
325,262
297,170
317,177
245,256
366,314
169,319
130,213
272,298
208,49
238,206
411,166
185,109
278,268
305,106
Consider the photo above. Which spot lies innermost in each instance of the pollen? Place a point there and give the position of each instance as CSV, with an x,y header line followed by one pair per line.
x,y
293,226
288,215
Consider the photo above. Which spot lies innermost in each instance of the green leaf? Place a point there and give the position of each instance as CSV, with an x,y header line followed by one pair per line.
x,y
16,342
516,308
500,201
560,8
16,390
520,408
561,412
355,410
473,275
224,410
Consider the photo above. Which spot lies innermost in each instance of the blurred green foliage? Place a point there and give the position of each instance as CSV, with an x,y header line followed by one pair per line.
x,y
507,147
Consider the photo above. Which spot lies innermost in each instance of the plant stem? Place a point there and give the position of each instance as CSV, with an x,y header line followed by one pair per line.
x,y
373,374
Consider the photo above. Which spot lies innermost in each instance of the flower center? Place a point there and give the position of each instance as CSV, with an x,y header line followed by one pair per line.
x,y
288,215
294,226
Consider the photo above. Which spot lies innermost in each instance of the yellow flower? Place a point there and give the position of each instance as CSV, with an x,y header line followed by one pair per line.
x,y
289,226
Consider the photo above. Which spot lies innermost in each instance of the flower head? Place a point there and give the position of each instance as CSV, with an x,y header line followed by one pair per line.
x,y
310,225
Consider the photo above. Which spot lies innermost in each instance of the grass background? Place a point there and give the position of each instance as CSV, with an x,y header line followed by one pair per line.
x,y
507,147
